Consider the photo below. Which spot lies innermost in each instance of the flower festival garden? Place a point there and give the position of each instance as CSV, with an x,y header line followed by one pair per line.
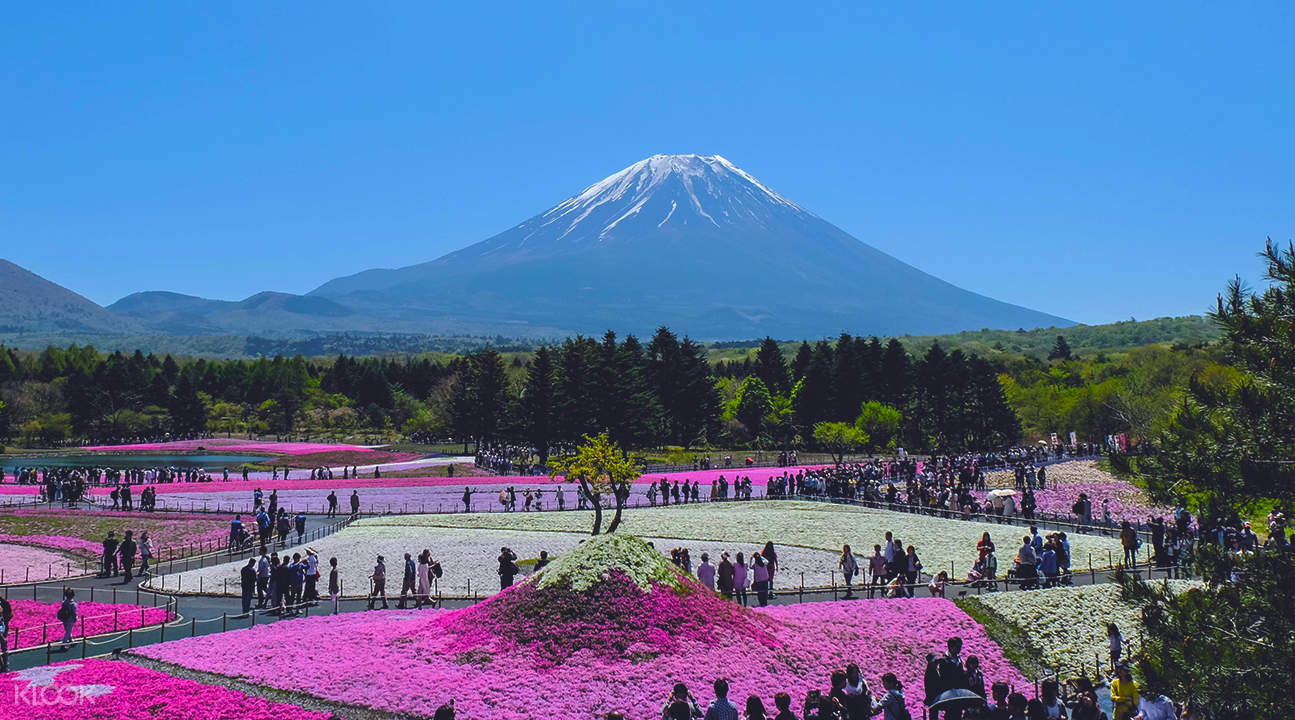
x,y
611,623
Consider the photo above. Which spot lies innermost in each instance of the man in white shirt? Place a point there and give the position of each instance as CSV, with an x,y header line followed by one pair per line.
x,y
1156,707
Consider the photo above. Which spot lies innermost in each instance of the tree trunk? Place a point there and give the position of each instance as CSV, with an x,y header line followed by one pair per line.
x,y
597,501
616,519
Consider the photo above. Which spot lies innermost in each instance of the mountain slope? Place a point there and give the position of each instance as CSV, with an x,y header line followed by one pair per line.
x,y
271,313
682,240
31,304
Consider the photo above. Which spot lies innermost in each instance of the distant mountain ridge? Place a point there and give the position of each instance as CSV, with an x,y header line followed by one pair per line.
x,y
688,241
31,304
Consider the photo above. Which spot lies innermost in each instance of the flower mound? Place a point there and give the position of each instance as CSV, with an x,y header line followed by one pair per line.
x,y
612,596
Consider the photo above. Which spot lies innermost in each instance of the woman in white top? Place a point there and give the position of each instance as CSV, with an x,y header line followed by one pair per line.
x,y
424,578
739,579
849,568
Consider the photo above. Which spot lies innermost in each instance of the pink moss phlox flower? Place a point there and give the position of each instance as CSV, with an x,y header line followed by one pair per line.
x,y
107,690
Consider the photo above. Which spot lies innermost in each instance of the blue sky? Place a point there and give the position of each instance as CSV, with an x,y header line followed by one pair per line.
x,y
1097,161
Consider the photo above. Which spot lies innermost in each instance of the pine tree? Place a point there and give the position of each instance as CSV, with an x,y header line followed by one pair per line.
x,y
1060,350
753,404
1225,650
771,367
537,403
800,365
813,401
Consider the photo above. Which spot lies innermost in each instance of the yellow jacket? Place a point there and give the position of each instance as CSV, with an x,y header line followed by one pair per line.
x,y
1124,696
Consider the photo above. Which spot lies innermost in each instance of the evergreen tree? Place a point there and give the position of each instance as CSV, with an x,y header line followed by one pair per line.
x,y
188,411
697,409
753,405
813,400
1061,350
1225,650
800,365
896,374
771,367
577,407
847,379
538,405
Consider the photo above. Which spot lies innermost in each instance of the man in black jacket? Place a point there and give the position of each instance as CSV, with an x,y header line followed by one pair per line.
x,y
127,553
248,578
110,555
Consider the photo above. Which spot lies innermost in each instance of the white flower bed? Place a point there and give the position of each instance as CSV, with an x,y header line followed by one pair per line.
x,y
787,523
469,558
808,537
1069,623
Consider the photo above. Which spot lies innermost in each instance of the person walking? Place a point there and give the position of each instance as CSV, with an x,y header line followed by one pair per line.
x,y
849,568
300,522
424,578
877,566
332,503
771,564
740,574
67,614
379,579
127,551
110,555
467,499
1124,693
334,584
145,554
408,584
914,570
312,576
507,568
1129,541
247,577
355,503
725,575
891,704
760,579
706,571
262,579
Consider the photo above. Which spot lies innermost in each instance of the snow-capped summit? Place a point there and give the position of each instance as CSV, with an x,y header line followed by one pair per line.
x,y
689,241
661,190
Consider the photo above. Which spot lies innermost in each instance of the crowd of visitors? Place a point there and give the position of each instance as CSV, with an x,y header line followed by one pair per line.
x,y
954,688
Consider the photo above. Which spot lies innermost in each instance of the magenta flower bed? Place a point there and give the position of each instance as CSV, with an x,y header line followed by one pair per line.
x,y
254,446
36,623
1125,500
581,654
107,690
56,542
20,563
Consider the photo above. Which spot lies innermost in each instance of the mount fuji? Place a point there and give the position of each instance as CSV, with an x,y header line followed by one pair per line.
x,y
688,241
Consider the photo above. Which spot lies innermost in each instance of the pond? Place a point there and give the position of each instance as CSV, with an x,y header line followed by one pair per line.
x,y
133,460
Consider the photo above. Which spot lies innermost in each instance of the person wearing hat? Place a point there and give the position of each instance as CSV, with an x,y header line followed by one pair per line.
x,y
1249,540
